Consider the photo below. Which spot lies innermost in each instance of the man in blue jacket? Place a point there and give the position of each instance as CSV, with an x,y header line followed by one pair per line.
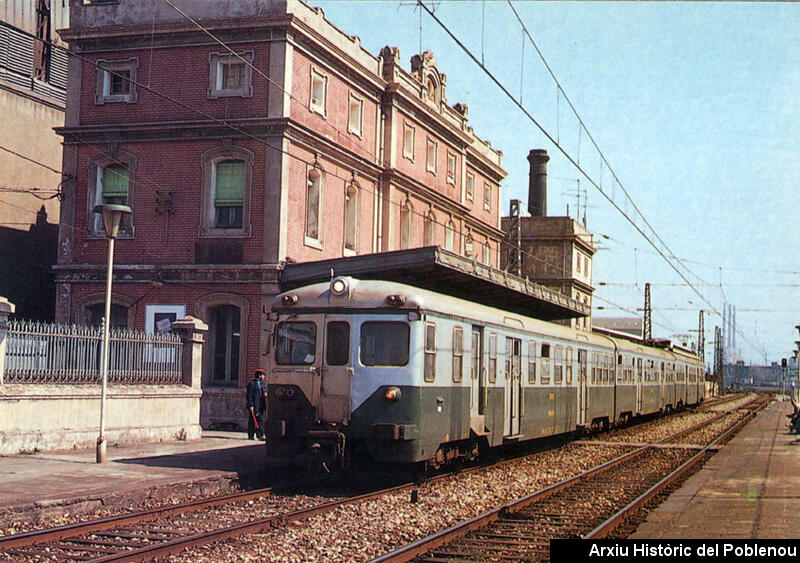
x,y
256,405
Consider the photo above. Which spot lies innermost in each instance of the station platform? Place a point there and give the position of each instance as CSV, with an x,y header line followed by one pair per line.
x,y
749,490
35,486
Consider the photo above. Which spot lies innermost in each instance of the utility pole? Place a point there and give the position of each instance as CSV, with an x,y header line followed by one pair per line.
x,y
514,234
701,339
719,359
648,314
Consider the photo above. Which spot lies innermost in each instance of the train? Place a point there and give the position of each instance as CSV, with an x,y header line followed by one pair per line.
x,y
395,374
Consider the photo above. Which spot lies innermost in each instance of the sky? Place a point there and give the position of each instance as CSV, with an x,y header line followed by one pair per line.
x,y
693,105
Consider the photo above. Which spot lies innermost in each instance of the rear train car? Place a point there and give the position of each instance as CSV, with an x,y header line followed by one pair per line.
x,y
397,374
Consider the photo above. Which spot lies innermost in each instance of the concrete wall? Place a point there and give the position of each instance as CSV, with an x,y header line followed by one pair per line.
x,y
52,417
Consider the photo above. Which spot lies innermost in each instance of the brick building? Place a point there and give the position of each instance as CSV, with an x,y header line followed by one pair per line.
x,y
245,135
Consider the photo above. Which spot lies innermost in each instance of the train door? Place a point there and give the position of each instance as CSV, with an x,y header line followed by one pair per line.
x,y
336,371
513,386
583,388
639,383
477,396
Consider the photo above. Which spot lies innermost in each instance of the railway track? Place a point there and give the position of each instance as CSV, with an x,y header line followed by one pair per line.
x,y
170,530
592,504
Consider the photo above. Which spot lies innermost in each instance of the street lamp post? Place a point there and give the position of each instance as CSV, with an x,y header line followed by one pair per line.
x,y
112,217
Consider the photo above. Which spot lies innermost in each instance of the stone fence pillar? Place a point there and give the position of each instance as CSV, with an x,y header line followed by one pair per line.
x,y
192,332
6,309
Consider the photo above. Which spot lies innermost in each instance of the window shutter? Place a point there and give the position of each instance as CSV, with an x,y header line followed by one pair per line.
x,y
115,181
230,184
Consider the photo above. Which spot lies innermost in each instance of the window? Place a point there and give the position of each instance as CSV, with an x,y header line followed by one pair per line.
x,y
545,377
492,357
41,45
486,252
430,352
470,186
296,343
319,85
532,362
408,141
449,235
569,365
451,168
228,180
405,225
224,335
579,262
351,217
558,365
487,196
384,343
96,312
111,180
337,343
230,75
313,200
429,233
354,115
430,160
458,353
116,81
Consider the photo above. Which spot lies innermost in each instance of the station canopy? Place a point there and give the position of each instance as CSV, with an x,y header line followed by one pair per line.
x,y
440,270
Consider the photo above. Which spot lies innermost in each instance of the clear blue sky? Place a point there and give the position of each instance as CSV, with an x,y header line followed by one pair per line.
x,y
696,108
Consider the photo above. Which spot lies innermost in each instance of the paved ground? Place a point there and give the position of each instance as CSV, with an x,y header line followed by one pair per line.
x,y
749,489
71,480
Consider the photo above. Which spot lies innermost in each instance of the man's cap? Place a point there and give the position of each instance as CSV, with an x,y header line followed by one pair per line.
x,y
259,372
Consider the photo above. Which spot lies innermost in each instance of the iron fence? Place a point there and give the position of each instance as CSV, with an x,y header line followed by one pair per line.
x,y
51,353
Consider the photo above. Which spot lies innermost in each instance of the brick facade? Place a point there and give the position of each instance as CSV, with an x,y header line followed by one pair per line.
x,y
318,148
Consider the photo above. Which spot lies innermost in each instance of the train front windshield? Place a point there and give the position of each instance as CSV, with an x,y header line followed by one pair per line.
x,y
296,343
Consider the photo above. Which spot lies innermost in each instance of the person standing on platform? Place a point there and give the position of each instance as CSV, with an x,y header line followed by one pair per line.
x,y
256,405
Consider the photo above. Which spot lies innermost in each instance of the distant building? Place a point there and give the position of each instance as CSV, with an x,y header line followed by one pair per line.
x,y
33,85
295,145
628,325
555,252
741,376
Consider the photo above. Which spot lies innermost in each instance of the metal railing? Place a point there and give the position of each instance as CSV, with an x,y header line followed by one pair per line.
x,y
51,353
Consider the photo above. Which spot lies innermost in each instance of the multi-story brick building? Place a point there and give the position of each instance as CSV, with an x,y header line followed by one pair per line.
x,y
245,135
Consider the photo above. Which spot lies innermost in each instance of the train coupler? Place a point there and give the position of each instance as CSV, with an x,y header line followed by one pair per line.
x,y
326,449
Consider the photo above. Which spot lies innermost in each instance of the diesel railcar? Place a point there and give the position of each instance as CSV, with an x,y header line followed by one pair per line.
x,y
398,374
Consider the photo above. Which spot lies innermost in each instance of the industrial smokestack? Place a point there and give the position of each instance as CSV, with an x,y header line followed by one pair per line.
x,y
537,183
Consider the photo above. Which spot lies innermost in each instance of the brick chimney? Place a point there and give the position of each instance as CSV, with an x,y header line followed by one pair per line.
x,y
537,183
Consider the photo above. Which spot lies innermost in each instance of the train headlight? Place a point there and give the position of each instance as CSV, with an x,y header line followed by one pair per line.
x,y
280,393
338,286
289,299
396,300
392,394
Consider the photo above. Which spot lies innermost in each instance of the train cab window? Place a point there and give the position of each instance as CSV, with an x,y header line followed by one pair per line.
x,y
296,343
337,343
558,365
545,364
458,353
532,362
384,343
430,352
492,357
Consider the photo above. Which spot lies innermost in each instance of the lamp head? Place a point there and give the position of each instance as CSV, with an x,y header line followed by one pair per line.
x,y
112,217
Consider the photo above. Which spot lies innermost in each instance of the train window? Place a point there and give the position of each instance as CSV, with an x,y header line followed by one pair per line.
x,y
532,362
545,377
458,353
492,357
384,343
430,352
337,343
569,365
296,343
558,365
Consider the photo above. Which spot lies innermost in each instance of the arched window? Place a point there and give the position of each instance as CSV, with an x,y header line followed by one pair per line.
x,y
225,200
469,246
351,217
429,229
111,180
313,199
224,334
449,235
486,254
405,224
